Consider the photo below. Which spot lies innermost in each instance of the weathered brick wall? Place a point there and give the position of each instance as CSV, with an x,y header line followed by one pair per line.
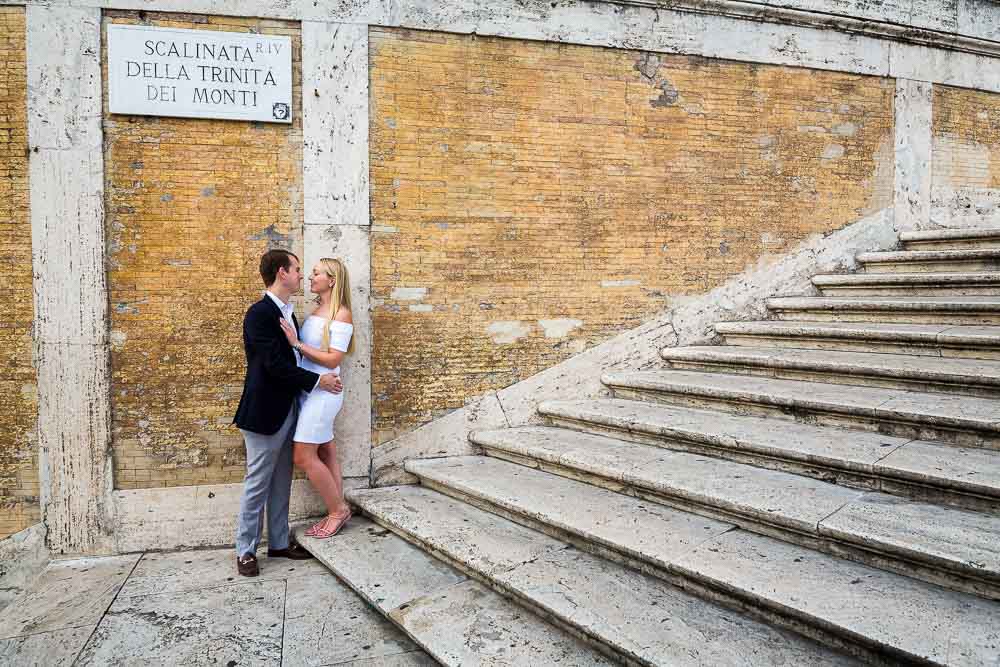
x,y
19,506
966,131
191,205
530,200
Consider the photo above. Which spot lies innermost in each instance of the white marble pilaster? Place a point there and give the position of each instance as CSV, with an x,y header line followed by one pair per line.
x,y
66,181
350,244
912,183
336,191
335,123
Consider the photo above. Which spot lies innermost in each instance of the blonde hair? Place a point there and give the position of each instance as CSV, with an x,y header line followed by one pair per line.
x,y
341,297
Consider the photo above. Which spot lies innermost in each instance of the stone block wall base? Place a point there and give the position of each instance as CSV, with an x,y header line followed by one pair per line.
x,y
186,517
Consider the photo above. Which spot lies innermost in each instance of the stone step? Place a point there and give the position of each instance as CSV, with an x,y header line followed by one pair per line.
x,y
922,470
640,618
946,546
951,239
457,620
965,421
908,284
934,261
936,340
833,600
968,377
950,310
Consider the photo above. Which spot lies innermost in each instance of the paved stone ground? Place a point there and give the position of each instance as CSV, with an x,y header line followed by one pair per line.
x,y
191,608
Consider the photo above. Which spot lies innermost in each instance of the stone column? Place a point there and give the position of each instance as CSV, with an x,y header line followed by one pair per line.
x,y
912,191
66,172
335,190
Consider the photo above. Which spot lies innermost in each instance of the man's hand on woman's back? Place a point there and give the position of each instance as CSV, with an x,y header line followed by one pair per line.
x,y
331,382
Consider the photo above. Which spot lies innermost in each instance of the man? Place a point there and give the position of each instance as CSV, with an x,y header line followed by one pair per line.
x,y
267,413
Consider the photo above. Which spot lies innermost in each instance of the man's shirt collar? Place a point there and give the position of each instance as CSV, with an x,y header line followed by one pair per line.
x,y
285,308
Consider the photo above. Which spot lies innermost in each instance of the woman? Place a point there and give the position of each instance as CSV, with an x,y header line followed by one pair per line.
x,y
326,339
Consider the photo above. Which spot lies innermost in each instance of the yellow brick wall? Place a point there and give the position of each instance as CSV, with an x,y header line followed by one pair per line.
x,y
191,205
966,131
530,200
18,404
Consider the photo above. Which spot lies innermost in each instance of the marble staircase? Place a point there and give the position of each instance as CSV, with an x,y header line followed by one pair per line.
x,y
823,487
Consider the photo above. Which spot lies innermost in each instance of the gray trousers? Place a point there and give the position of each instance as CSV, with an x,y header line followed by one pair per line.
x,y
268,484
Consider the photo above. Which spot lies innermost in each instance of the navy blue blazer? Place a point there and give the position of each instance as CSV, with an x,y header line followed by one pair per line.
x,y
273,378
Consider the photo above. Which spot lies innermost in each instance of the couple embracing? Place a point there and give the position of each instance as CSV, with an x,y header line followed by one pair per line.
x,y
291,395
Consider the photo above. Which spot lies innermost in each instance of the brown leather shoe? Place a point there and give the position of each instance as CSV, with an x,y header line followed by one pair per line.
x,y
293,551
246,565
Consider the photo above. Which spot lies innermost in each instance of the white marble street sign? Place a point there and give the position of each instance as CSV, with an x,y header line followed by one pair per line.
x,y
199,74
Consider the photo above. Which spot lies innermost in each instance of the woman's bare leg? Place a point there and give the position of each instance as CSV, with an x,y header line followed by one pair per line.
x,y
306,458
328,455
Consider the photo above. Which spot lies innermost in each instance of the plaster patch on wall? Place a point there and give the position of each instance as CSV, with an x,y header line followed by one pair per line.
x,y
832,152
509,331
647,64
118,339
771,241
408,293
559,328
845,129
883,180
668,95
619,283
274,238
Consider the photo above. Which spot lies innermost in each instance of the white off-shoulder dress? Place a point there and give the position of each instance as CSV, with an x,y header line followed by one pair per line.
x,y
318,408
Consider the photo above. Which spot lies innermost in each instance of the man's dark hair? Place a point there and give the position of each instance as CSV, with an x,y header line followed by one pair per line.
x,y
271,261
